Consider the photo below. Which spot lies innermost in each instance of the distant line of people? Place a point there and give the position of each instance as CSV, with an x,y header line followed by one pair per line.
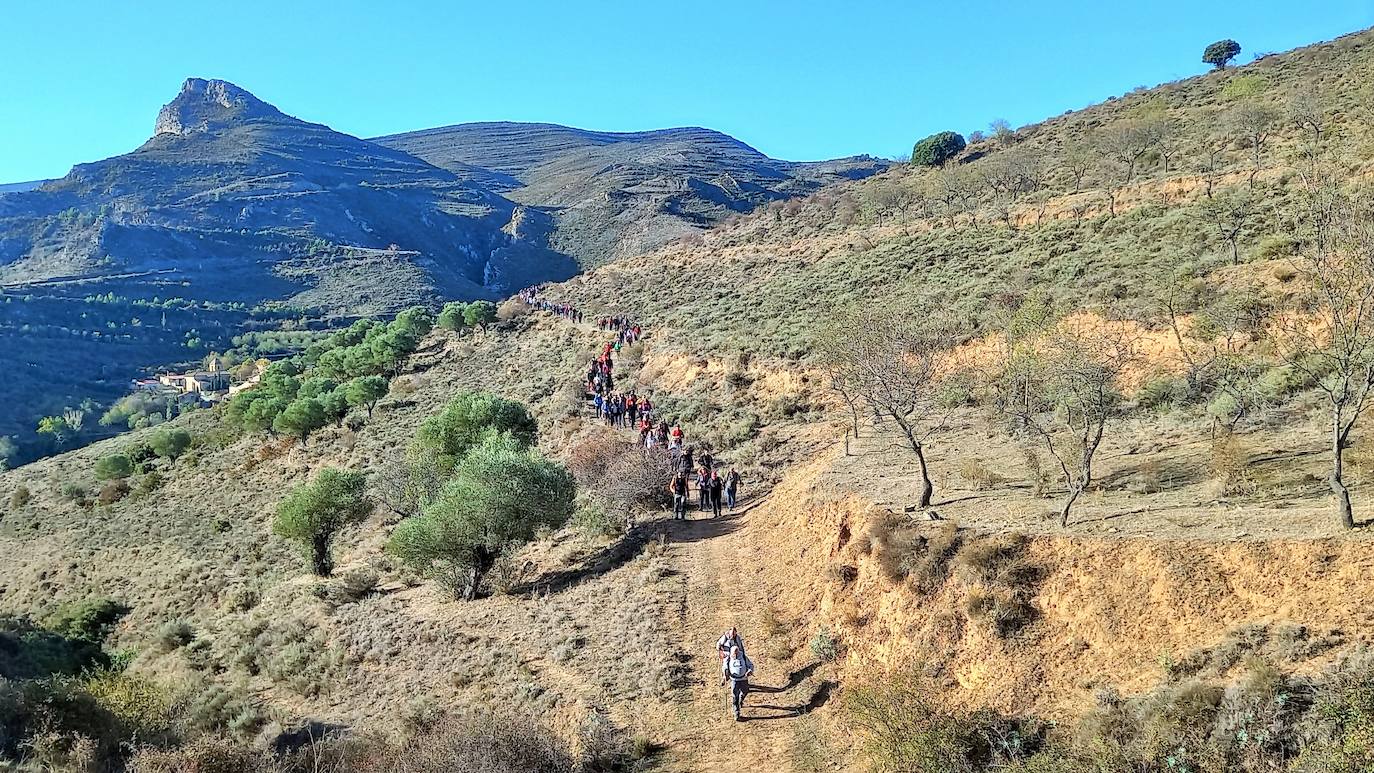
x,y
630,410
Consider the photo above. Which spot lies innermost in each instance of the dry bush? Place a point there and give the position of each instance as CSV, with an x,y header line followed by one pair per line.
x,y
622,477
772,621
112,492
927,564
19,497
512,309
1147,478
978,476
1037,474
1230,465
998,560
1006,610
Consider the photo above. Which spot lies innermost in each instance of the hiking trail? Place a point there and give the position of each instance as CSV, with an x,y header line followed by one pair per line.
x,y
723,587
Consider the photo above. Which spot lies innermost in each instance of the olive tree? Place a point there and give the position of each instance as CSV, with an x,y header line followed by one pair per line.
x,y
314,513
446,436
500,494
1058,387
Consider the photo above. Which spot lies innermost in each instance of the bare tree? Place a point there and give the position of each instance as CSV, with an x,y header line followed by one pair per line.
x,y
1330,337
1211,155
74,417
1307,109
1077,160
1058,388
1230,213
1002,131
1124,143
897,365
1254,122
1214,348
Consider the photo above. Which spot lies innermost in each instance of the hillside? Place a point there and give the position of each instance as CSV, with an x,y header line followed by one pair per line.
x,y
614,194
1201,609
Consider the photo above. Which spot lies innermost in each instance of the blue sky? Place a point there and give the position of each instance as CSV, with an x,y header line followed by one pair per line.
x,y
83,79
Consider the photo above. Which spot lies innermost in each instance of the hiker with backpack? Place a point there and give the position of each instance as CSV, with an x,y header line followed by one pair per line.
x,y
729,640
736,669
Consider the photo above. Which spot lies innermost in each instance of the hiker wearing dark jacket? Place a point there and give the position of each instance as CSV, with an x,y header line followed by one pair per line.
x,y
715,486
731,487
678,488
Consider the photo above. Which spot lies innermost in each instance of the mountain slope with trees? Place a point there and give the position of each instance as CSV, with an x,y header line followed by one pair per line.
x,y
1117,353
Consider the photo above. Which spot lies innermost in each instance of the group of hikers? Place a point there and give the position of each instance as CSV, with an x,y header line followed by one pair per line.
x,y
631,410
635,411
530,295
713,489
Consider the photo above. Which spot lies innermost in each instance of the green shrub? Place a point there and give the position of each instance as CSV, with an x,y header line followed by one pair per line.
x,y
448,435
1277,246
936,149
479,313
73,492
173,635
313,513
1163,392
113,467
89,620
170,443
825,645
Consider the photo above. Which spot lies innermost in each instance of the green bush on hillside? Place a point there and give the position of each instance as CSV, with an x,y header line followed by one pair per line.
x,y
170,443
500,494
479,313
113,467
936,149
445,437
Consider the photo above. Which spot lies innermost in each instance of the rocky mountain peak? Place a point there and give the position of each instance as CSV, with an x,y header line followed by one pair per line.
x,y
206,104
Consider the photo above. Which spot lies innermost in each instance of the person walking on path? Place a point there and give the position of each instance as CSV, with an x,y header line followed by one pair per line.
x,y
703,490
736,669
715,486
731,488
678,487
729,640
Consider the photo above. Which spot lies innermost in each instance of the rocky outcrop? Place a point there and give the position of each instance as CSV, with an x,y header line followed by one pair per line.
x,y
204,104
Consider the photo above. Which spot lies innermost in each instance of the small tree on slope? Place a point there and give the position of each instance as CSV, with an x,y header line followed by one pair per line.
x,y
1329,337
896,364
1058,388
312,514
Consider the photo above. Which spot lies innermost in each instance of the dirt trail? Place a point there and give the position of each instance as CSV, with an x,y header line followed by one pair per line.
x,y
723,588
